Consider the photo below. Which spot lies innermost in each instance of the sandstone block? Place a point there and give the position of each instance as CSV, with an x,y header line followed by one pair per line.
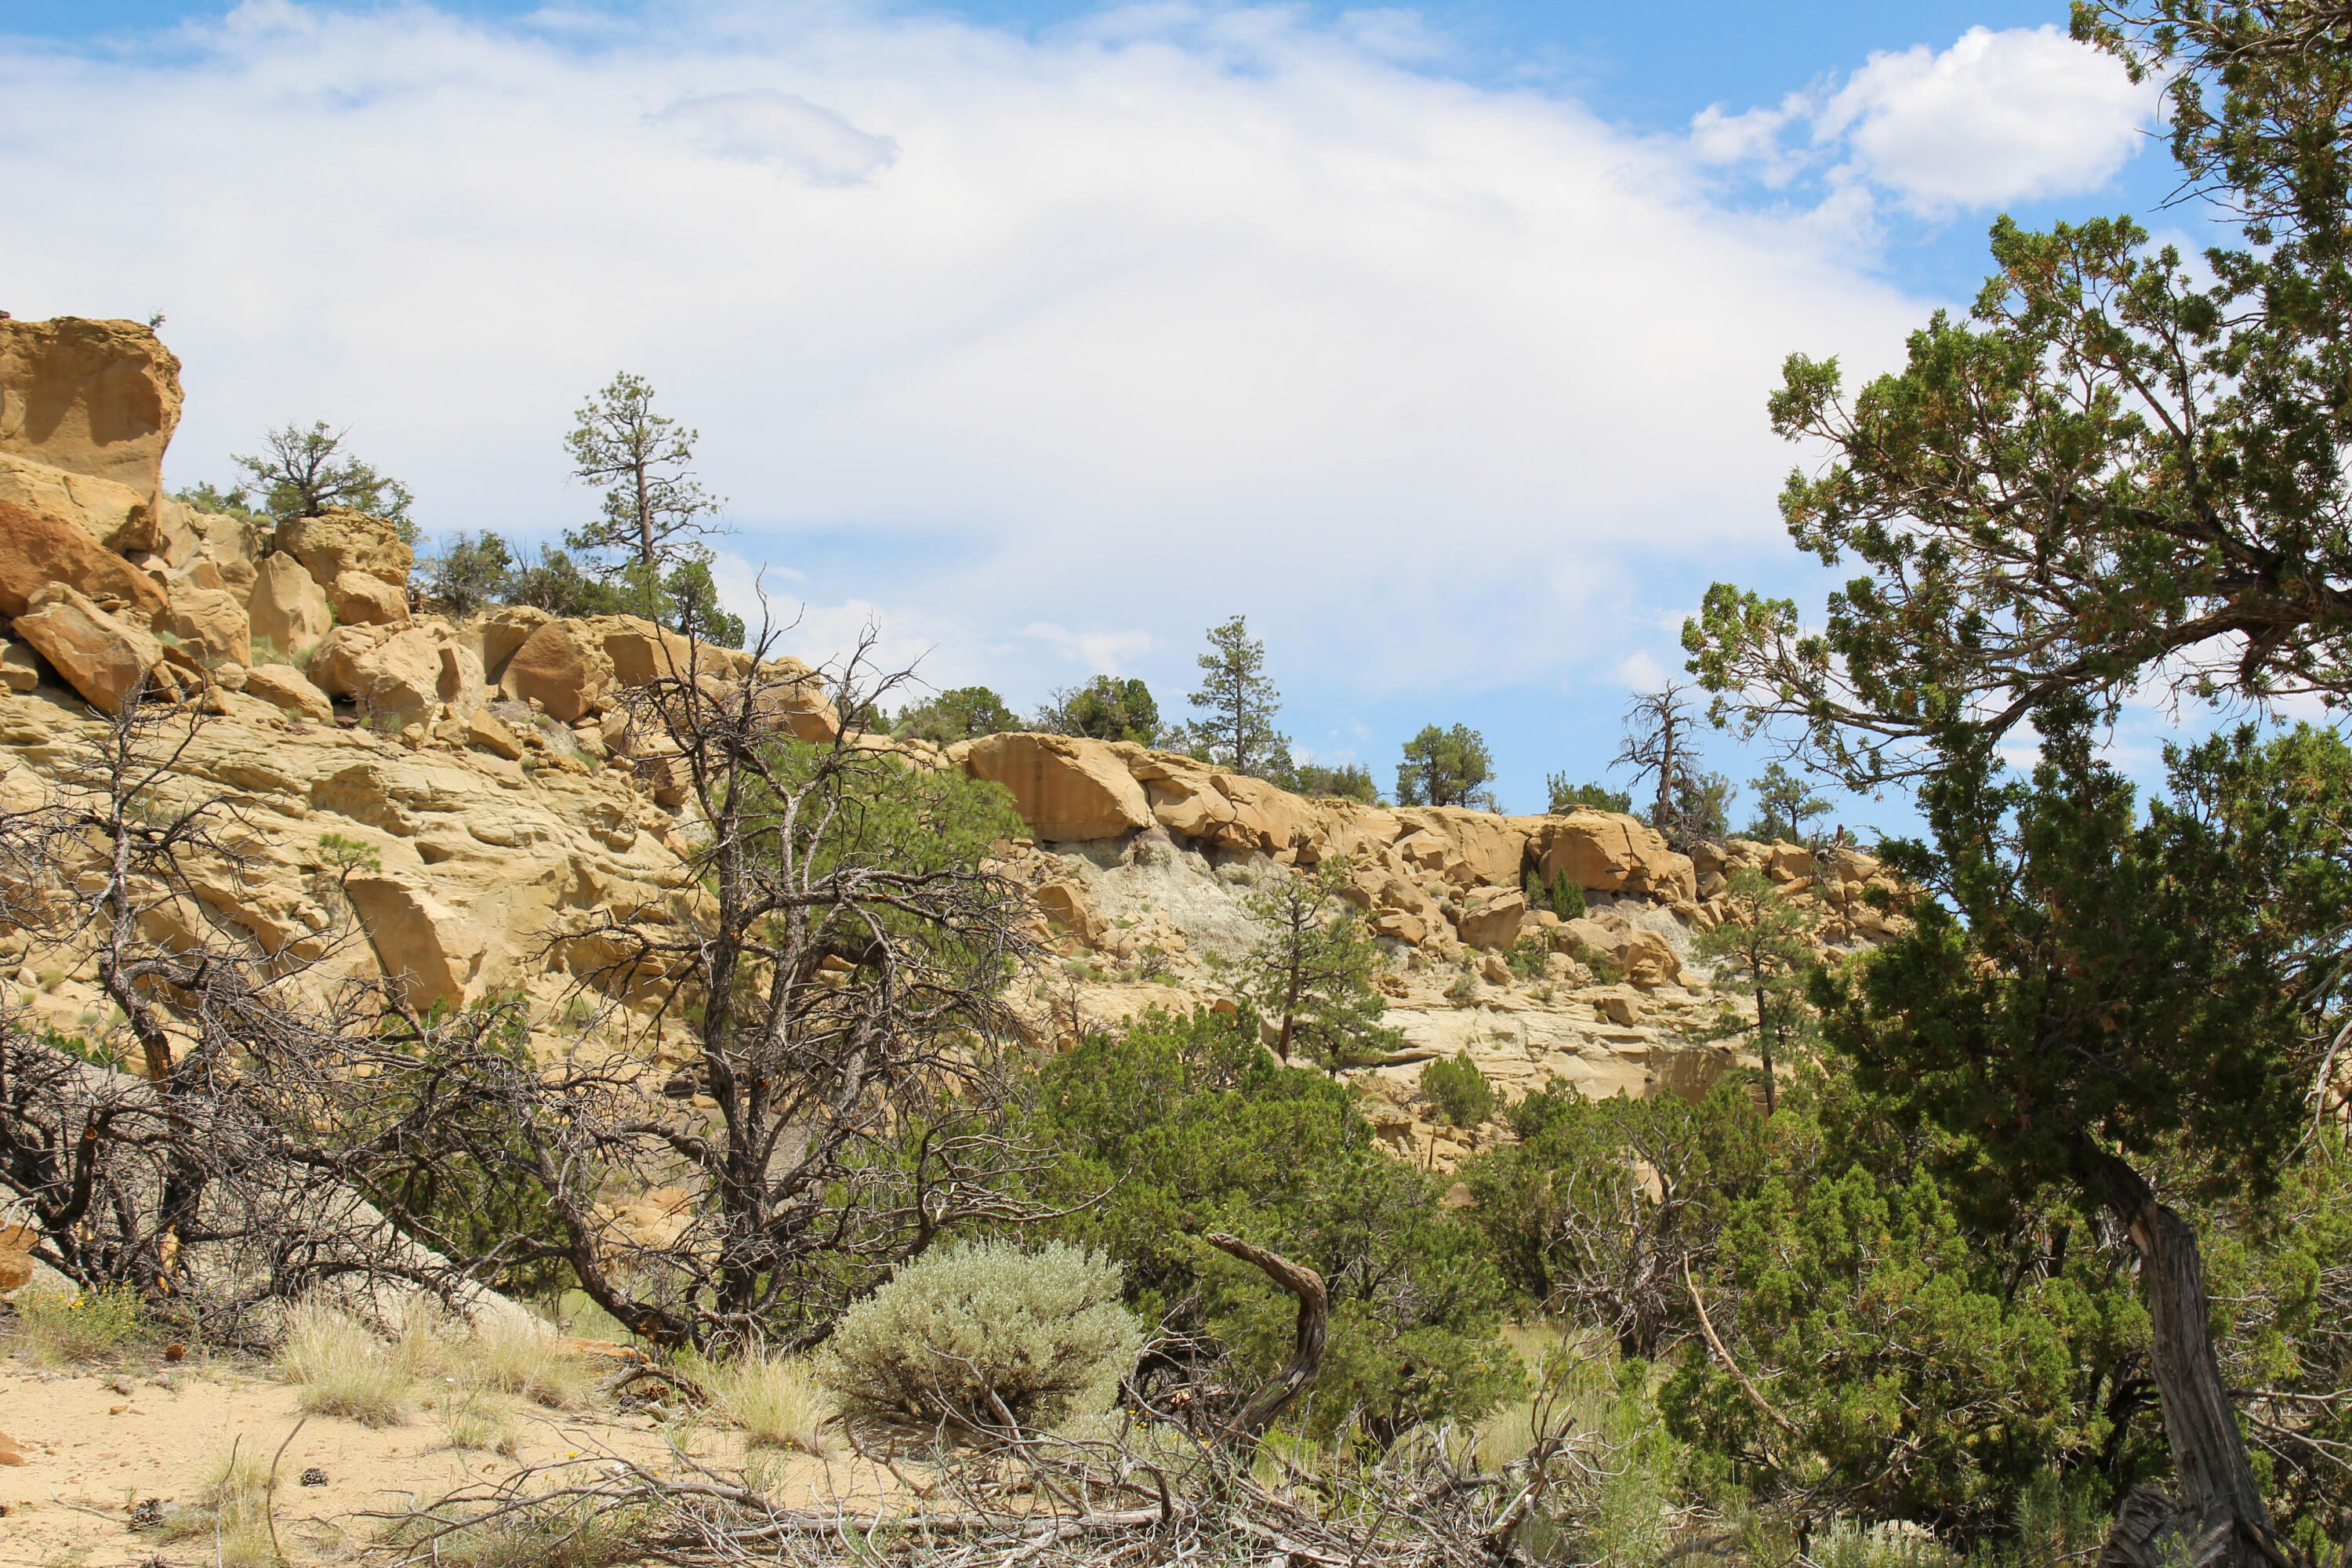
x,y
1643,957
424,947
1067,905
359,600
338,540
1064,788
395,676
1605,851
504,630
283,686
286,607
1494,916
1409,929
100,656
17,670
562,666
1490,847
94,397
38,548
210,620
487,730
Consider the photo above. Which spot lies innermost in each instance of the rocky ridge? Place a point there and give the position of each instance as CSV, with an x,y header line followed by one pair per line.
x,y
489,770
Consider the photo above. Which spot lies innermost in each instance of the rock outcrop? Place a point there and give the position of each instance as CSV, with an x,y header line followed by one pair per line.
x,y
98,399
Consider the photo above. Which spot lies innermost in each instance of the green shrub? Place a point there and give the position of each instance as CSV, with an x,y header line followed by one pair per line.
x,y
959,1330
1528,957
1462,1094
88,1326
1567,898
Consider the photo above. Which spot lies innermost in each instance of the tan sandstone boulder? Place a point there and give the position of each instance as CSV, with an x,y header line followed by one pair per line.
x,y
1067,906
210,622
1492,917
38,548
338,540
1064,788
286,607
1611,853
410,676
499,633
359,600
100,656
17,670
562,666
430,951
94,397
1489,848
285,687
1643,957
113,515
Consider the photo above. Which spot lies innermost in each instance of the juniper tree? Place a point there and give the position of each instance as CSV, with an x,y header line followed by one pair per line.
x,y
1766,941
1784,803
1311,976
2094,987
1444,767
301,473
1105,709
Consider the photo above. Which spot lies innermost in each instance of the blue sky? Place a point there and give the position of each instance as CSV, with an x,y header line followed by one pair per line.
x,y
1042,336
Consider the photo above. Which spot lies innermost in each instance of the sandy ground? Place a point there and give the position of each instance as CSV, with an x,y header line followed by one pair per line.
x,y
91,1452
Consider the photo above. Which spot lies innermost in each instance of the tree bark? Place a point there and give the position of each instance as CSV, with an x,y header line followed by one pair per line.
x,y
1306,1347
2219,1516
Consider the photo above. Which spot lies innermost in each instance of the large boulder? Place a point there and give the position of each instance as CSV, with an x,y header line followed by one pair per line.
x,y
1489,848
1492,918
285,687
502,631
430,951
400,676
114,515
38,548
1264,816
1642,956
91,398
100,656
1066,788
359,600
286,607
1607,852
642,653
338,540
562,666
210,622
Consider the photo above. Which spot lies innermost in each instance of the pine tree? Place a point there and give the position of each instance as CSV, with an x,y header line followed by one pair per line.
x,y
1241,703
1311,976
655,511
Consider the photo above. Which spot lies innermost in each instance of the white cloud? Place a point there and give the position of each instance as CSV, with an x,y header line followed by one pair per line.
x,y
1997,117
1167,315
1096,653
782,129
1637,671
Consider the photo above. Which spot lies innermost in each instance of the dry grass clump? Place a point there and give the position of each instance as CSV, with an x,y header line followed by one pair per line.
x,y
86,1326
518,1358
342,1369
775,1400
231,1513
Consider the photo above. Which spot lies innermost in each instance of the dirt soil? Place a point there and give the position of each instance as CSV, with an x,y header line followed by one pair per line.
x,y
91,1452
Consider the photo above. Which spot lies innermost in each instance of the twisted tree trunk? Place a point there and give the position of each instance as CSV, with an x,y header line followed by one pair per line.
x,y
2219,1518
1306,1347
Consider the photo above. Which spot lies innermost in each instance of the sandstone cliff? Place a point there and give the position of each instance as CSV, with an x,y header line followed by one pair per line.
x,y
502,796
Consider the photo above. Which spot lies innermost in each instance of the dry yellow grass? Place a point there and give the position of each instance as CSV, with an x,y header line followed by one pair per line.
x,y
343,1370
774,1400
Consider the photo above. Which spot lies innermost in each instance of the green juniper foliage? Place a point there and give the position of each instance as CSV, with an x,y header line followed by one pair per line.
x,y
1784,803
1189,1124
962,713
1105,709
1564,797
1311,974
1444,767
1239,704
301,473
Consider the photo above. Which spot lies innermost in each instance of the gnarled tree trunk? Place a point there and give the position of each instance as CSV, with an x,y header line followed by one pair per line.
x,y
2218,1517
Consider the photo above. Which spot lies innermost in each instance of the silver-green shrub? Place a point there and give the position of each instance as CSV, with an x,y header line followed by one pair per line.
x,y
1041,1330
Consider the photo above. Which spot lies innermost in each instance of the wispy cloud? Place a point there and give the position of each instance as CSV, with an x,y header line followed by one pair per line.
x,y
1172,313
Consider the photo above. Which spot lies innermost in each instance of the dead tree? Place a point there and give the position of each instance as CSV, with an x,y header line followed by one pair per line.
x,y
832,957
195,1180
1657,745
